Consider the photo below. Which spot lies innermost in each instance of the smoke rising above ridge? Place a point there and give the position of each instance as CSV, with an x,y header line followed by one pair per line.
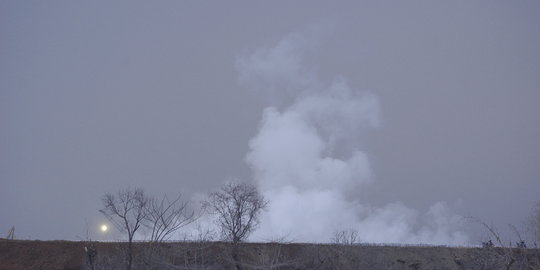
x,y
308,161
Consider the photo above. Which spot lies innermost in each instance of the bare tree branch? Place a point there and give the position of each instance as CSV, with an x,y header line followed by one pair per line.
x,y
165,217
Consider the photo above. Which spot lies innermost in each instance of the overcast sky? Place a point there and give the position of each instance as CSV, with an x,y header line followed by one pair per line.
x,y
180,96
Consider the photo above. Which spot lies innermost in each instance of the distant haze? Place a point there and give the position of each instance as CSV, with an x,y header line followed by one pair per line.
x,y
393,118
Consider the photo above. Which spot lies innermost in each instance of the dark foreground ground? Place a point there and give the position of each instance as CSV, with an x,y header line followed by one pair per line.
x,y
24,254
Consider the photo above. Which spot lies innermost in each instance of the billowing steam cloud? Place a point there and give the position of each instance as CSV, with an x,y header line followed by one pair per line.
x,y
307,158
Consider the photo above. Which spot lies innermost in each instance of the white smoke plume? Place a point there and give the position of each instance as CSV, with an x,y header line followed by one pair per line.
x,y
307,158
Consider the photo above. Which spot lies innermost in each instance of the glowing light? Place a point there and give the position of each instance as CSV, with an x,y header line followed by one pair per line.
x,y
104,228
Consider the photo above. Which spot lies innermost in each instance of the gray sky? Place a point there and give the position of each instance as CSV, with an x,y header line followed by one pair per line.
x,y
100,96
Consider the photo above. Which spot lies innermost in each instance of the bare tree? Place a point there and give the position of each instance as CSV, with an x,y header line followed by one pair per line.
x,y
127,211
236,207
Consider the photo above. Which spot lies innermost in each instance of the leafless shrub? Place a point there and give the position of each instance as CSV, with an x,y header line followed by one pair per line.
x,y
534,224
345,237
164,217
196,251
520,242
271,255
204,234
491,257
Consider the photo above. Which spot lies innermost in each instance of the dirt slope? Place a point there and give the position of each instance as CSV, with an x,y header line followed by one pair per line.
x,y
22,254
27,255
